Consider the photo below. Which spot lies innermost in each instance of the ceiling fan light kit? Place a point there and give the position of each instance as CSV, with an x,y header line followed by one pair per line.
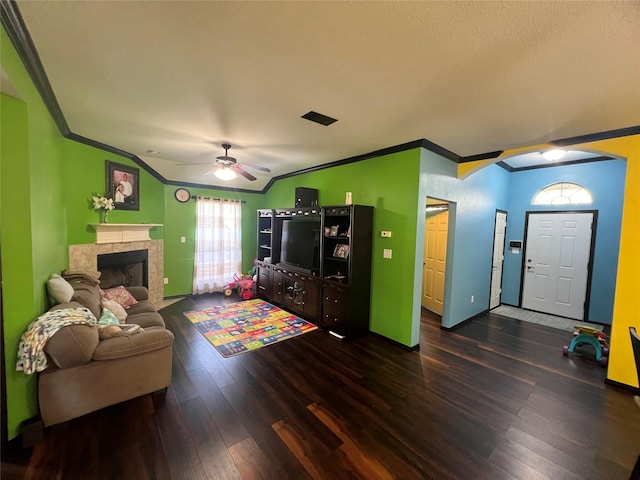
x,y
227,168
225,173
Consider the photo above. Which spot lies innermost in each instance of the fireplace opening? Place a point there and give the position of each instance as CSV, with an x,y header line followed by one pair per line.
x,y
124,268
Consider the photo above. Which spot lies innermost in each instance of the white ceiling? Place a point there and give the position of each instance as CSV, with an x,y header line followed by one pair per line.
x,y
181,78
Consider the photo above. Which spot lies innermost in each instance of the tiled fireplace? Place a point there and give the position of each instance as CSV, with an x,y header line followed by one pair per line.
x,y
85,257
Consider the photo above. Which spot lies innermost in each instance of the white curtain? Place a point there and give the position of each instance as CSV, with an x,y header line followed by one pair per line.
x,y
218,243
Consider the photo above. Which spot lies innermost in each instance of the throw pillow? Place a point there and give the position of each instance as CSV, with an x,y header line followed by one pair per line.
x,y
120,295
116,309
59,289
108,318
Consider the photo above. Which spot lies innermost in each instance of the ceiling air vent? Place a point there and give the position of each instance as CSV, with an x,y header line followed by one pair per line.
x,y
319,118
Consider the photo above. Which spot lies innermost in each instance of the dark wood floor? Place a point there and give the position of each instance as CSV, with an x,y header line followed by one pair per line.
x,y
495,399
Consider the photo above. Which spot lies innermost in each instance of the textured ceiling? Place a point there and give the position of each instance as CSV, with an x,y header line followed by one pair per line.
x,y
181,78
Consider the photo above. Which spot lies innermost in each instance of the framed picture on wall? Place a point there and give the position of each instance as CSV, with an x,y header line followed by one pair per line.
x,y
123,185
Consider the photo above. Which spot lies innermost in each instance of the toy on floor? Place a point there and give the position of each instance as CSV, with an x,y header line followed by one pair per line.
x,y
592,336
243,284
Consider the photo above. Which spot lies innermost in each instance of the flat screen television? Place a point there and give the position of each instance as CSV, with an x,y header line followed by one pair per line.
x,y
300,245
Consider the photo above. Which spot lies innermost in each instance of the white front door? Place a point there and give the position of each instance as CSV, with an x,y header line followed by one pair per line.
x,y
556,268
498,259
435,261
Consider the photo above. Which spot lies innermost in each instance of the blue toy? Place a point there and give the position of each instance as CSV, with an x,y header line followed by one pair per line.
x,y
583,334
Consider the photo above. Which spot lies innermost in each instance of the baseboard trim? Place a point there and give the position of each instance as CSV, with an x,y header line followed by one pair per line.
x,y
477,315
415,348
624,386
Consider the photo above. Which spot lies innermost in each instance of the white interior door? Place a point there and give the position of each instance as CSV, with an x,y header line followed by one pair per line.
x,y
498,259
435,261
557,256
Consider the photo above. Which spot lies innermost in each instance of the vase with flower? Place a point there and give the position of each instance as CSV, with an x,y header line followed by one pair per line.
x,y
100,202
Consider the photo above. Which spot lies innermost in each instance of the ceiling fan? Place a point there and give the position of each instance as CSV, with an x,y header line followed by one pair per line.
x,y
227,167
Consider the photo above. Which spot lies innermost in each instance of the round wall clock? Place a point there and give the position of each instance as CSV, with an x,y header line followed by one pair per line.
x,y
183,195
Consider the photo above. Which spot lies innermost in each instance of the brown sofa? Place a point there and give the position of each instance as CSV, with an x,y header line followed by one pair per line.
x,y
86,373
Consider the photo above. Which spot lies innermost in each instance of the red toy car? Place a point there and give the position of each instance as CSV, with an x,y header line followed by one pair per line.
x,y
243,284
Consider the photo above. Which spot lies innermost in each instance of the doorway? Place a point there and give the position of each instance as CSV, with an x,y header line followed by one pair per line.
x,y
498,258
435,255
558,258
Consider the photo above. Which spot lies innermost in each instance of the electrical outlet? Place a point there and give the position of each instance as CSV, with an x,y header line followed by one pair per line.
x,y
183,239
387,253
385,233
473,298
166,280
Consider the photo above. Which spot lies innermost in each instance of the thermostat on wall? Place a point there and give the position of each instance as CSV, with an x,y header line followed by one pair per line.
x,y
515,244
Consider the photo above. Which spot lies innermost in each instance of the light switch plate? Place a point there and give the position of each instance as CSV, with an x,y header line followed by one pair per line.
x,y
387,253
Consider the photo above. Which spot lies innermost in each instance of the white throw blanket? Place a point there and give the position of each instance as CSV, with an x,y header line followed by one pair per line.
x,y
31,357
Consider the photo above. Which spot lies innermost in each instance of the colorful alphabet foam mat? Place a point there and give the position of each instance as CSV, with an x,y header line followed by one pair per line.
x,y
245,326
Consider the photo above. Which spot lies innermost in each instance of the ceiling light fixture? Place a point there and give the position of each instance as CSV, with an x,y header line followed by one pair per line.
x,y
225,174
553,155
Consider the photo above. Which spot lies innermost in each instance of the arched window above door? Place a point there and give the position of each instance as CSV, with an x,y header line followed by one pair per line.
x,y
562,193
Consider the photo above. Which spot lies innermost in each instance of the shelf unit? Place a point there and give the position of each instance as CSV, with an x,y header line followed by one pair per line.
x,y
346,268
338,298
265,235
336,244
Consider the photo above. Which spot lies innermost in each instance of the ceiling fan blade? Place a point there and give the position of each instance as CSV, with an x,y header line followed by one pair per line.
x,y
201,163
212,171
256,167
244,173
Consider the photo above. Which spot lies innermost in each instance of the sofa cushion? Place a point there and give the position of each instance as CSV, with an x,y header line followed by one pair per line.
x,y
138,292
120,295
87,295
146,319
59,289
150,339
145,306
72,345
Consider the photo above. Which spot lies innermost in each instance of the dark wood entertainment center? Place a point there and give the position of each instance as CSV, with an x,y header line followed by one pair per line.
x,y
335,294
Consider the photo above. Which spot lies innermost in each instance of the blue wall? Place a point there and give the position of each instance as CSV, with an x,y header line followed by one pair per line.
x,y
605,180
471,230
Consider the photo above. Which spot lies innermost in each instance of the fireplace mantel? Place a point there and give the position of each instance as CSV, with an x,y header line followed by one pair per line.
x,y
123,232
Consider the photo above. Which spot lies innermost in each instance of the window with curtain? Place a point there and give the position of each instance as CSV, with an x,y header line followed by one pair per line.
x,y
218,243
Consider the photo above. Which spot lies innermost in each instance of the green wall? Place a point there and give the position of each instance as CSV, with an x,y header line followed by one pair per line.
x,y
393,191
180,221
19,300
84,174
33,220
